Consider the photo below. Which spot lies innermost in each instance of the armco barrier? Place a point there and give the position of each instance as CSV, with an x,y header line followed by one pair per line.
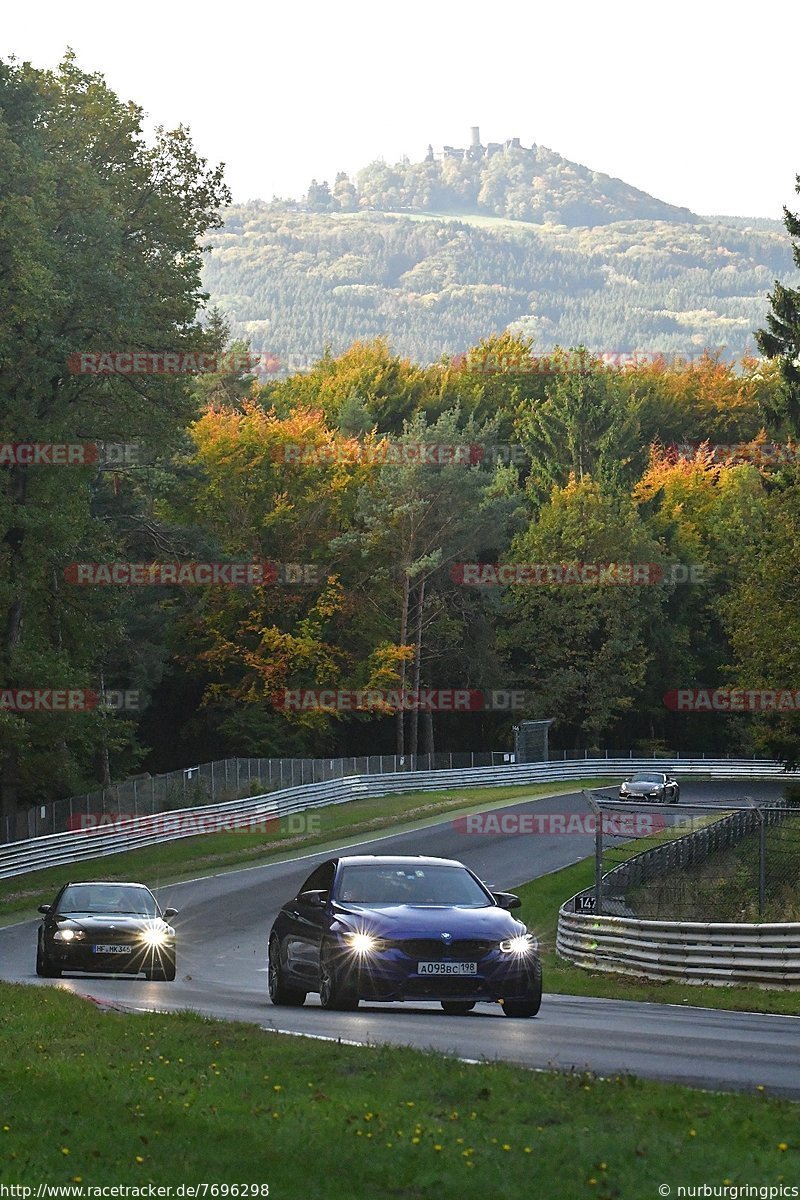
x,y
689,952
230,779
17,858
683,951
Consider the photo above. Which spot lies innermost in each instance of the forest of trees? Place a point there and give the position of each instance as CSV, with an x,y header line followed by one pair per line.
x,y
295,283
296,469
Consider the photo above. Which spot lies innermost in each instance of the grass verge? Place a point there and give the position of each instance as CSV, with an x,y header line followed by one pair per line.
x,y
213,852
541,900
187,1100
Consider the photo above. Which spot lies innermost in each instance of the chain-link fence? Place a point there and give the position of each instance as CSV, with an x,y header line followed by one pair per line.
x,y
736,861
228,779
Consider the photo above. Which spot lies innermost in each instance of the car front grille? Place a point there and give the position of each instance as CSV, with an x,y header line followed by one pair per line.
x,y
433,949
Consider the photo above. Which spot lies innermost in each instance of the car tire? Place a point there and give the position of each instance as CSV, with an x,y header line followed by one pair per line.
x,y
458,1008
676,795
44,967
279,993
165,970
530,1006
333,993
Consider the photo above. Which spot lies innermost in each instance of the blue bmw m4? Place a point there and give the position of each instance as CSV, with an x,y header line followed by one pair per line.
x,y
373,927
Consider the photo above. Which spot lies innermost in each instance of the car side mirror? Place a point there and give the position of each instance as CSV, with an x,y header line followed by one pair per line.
x,y
507,900
44,908
316,898
169,912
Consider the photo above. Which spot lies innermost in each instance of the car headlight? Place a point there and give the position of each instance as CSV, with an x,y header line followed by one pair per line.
x,y
154,936
363,943
68,935
624,787
655,791
524,943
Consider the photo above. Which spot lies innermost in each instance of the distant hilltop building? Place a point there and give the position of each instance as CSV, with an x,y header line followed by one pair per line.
x,y
475,149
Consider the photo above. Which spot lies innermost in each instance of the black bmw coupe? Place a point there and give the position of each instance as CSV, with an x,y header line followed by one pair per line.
x,y
108,927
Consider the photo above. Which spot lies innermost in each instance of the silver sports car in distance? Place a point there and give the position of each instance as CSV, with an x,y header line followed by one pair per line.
x,y
654,785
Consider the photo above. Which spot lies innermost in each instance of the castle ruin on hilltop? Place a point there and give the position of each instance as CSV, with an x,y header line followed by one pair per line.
x,y
475,150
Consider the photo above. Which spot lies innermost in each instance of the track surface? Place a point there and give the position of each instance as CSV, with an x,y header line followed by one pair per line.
x,y
224,921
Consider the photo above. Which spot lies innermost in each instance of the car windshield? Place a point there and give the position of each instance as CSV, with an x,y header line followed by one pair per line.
x,y
106,898
397,884
649,780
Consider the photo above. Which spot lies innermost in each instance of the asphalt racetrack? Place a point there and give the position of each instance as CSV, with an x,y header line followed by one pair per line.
x,y
224,921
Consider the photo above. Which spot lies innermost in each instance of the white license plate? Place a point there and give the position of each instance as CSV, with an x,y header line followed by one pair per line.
x,y
112,949
447,968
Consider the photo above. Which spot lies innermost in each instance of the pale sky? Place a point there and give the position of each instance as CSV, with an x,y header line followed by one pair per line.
x,y
692,101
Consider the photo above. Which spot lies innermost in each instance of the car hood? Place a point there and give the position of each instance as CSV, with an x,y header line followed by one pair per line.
x,y
416,921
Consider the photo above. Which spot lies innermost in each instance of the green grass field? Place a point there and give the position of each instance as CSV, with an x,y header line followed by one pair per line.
x,y
100,1098
481,220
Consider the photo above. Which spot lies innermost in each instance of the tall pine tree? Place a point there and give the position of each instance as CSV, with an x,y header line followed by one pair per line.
x,y
781,338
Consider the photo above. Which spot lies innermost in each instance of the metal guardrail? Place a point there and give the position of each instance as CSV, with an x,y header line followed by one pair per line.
x,y
18,858
237,778
228,779
692,952
683,951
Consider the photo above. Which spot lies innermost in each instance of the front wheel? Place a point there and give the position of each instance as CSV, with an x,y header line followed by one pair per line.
x,y
457,1008
279,993
44,967
530,1006
334,993
676,795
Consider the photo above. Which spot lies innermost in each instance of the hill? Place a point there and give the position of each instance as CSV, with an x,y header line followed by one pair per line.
x,y
436,254
502,180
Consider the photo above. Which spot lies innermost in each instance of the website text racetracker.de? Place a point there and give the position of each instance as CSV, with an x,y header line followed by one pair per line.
x,y
423,699
195,1191
629,824
733,700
